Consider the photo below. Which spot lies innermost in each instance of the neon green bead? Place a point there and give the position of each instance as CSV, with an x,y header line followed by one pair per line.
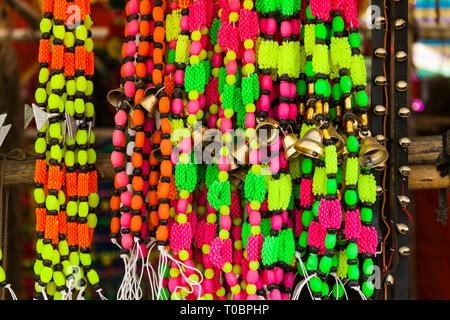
x,y
69,39
92,220
307,165
74,258
39,195
69,158
61,198
47,252
81,137
89,44
71,87
346,84
352,144
83,209
46,274
368,288
40,145
307,217
312,262
330,241
63,248
301,87
57,81
354,40
351,197
79,105
59,279
81,32
45,25
82,157
316,284
352,251
353,272
368,267
93,277
52,202
85,259
92,156
44,74
93,200
338,291
72,208
331,186
321,31
55,130
55,152
40,95
81,83
362,99
366,214
37,267
56,257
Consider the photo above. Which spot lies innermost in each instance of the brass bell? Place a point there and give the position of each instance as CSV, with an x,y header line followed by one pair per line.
x,y
403,200
289,142
405,170
404,142
404,112
400,56
379,110
157,154
237,177
372,153
311,144
267,131
402,228
380,138
337,138
149,103
380,52
404,251
380,81
389,280
115,96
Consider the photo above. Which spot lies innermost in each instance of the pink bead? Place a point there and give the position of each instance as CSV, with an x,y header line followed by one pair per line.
x,y
293,111
250,121
122,179
174,158
274,165
177,105
212,121
252,297
278,274
133,27
221,112
236,231
173,44
225,125
225,222
125,220
185,145
142,253
295,25
252,276
120,118
129,88
283,161
125,198
249,56
193,106
293,90
263,25
173,5
289,279
127,241
170,68
129,69
231,279
255,219
254,157
144,233
184,22
201,101
231,67
146,187
149,124
285,89
265,102
276,145
275,295
234,5
204,41
133,6
195,48
286,28
283,111
173,283
276,222
217,60
270,276
266,82
117,159
149,65
271,26
130,48
223,163
208,285
182,205
179,77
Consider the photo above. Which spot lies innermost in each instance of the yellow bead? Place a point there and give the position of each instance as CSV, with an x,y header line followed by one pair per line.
x,y
211,218
227,137
225,210
194,60
231,55
237,269
228,112
196,35
250,107
250,133
237,221
184,292
220,292
224,234
203,54
250,68
238,244
248,44
194,277
184,158
208,296
236,289
219,13
227,267
184,255
213,109
200,114
254,144
175,296
209,273
216,72
248,5
255,230
181,218
174,272
210,54
192,119
254,265
193,95
243,285
217,48
184,194
233,17
189,208
205,249
204,31
251,289
231,79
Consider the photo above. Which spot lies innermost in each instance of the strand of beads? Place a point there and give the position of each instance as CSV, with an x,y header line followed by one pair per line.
x,y
40,176
219,193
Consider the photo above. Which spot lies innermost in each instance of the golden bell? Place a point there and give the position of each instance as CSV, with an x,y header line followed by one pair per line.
x,y
289,142
338,139
372,153
149,103
311,144
157,154
115,96
237,177
241,154
271,128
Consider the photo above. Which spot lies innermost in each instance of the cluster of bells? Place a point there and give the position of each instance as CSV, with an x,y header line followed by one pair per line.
x,y
372,153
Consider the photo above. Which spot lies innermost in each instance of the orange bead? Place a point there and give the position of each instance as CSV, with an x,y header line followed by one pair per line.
x,y
137,183
166,127
158,14
166,147
164,107
154,220
138,117
164,211
162,233
136,202
136,160
157,56
136,223
166,168
115,225
145,7
124,54
141,70
144,30
156,137
153,178
144,48
114,203
139,139
158,34
153,198
157,76
138,96
163,190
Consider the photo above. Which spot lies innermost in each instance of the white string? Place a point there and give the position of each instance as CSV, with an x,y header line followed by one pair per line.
x,y
305,272
152,275
358,289
338,280
80,293
11,291
99,291
69,287
114,241
44,294
123,289
301,285
162,266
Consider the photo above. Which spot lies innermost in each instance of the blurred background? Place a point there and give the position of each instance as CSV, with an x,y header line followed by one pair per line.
x,y
429,101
